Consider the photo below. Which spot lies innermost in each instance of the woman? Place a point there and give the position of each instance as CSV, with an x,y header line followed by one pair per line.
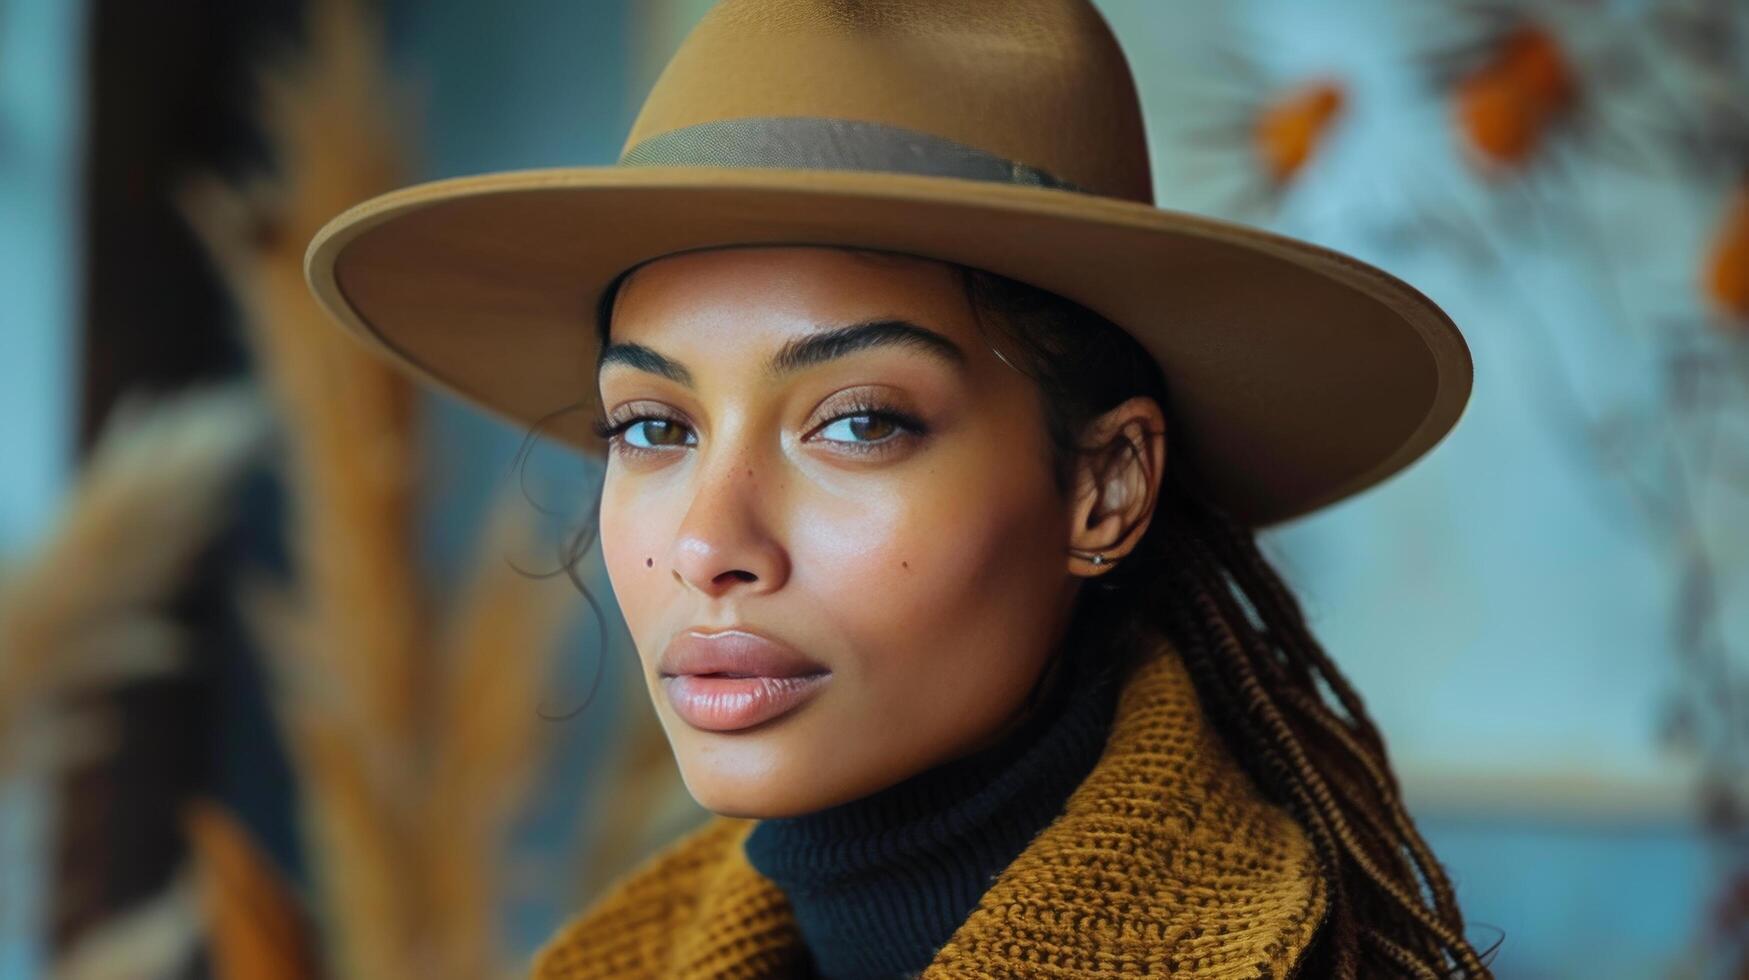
x,y
934,453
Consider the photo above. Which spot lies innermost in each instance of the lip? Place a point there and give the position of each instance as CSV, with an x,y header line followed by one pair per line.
x,y
734,679
733,651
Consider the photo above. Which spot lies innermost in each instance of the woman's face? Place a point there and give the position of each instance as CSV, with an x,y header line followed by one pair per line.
x,y
820,462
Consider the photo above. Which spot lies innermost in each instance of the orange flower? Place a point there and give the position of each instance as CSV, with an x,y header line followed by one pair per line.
x,y
1288,131
1506,107
1726,278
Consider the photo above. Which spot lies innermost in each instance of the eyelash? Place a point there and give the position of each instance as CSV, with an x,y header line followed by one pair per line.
x,y
910,426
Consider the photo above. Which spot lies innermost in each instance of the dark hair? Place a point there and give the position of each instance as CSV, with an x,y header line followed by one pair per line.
x,y
1198,576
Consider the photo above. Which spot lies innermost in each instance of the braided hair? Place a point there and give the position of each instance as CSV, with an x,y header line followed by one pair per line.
x,y
1198,576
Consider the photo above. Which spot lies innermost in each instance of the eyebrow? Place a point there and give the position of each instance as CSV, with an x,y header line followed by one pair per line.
x,y
803,352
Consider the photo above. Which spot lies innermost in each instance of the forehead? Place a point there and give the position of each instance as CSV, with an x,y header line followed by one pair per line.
x,y
756,296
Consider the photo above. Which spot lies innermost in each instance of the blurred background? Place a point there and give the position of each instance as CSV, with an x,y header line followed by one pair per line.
x,y
288,687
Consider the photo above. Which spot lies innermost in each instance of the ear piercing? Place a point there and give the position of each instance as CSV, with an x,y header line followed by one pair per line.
x,y
1098,558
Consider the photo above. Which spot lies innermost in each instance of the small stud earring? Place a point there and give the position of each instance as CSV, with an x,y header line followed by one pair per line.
x,y
1098,558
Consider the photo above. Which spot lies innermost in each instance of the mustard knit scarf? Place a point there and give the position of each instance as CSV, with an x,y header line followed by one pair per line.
x,y
1166,861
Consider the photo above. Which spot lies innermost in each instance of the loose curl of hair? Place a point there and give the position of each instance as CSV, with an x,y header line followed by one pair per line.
x,y
1198,575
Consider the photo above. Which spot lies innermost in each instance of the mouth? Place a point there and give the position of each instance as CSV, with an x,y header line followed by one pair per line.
x,y
732,679
729,702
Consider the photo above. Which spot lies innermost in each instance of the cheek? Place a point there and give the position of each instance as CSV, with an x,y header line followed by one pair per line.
x,y
631,528
956,562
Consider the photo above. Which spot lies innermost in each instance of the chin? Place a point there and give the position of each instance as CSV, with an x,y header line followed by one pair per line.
x,y
757,782
727,796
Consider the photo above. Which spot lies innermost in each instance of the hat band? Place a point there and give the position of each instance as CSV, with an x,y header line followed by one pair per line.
x,y
821,143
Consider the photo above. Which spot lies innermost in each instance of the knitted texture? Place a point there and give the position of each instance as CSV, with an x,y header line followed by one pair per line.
x,y
1166,861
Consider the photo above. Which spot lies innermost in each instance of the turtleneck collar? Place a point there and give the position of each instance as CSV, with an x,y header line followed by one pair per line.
x,y
879,883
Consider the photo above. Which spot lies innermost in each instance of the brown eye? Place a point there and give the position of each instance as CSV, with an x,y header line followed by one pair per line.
x,y
644,433
868,428
871,428
658,432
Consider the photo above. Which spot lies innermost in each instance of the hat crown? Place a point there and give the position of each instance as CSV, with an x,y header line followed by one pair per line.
x,y
1041,83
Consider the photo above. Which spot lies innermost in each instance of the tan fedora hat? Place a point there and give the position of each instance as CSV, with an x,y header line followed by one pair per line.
x,y
1000,134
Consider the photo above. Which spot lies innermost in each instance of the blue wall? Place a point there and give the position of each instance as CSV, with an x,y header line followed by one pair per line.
x,y
40,119
1500,605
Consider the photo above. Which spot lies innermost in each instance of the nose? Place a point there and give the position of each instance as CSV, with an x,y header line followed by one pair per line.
x,y
724,545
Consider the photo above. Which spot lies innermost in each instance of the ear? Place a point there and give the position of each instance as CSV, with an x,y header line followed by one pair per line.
x,y
1117,482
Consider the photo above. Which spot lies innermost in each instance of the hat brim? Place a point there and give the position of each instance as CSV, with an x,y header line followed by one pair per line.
x,y
1297,375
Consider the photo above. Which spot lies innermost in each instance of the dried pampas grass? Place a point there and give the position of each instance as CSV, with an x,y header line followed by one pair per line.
x,y
255,923
344,642
411,720
156,939
87,610
497,652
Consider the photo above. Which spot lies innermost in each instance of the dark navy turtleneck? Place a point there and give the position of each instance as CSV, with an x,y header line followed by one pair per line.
x,y
879,884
